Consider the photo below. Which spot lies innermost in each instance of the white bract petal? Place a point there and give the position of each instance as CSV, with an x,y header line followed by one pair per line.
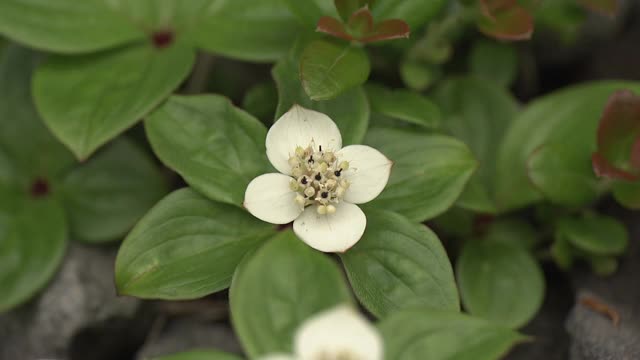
x,y
339,333
300,127
368,172
270,198
331,232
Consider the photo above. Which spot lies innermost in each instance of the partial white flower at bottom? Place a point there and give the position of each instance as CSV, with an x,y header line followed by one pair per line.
x,y
319,182
340,333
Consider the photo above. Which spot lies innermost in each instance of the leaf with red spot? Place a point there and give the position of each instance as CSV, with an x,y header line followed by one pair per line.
x,y
506,22
618,154
333,27
388,30
606,7
361,22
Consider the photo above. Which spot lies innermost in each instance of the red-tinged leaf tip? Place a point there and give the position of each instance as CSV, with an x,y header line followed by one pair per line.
x,y
162,38
619,131
602,168
513,24
490,7
333,27
360,22
604,7
388,30
635,154
621,117
39,188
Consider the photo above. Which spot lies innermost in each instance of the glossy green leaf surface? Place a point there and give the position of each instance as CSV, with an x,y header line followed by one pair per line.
x,y
569,116
500,281
88,100
440,335
33,238
594,234
415,12
108,194
350,110
200,355
404,105
494,61
428,175
562,175
254,30
329,68
279,286
217,148
478,113
398,265
186,247
40,157
67,26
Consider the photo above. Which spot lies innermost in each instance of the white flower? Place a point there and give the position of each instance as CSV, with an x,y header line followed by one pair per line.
x,y
320,181
336,334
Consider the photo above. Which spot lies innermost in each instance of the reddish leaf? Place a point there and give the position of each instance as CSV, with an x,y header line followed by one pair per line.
x,y
602,168
606,7
361,22
333,27
511,23
619,131
490,7
388,30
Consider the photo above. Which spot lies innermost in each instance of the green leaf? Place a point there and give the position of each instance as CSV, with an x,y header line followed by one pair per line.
x,y
217,148
595,234
415,12
429,172
563,175
350,110
177,16
500,281
404,105
261,101
66,26
627,193
514,231
42,156
105,197
478,113
493,61
328,68
200,355
570,117
309,12
279,286
88,100
33,238
439,335
254,30
186,247
398,265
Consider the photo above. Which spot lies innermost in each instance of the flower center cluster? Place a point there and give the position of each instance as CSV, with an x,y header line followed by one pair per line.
x,y
317,178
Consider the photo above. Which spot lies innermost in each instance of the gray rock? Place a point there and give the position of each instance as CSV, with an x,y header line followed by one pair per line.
x,y
188,334
81,294
594,336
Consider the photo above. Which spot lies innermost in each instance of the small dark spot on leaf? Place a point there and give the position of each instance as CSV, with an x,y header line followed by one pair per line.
x,y
39,188
163,38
